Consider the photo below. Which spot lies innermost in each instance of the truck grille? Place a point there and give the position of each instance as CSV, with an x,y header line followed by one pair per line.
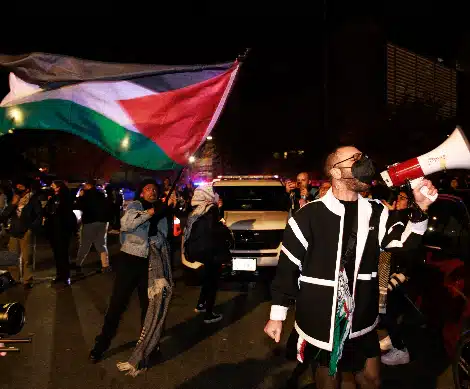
x,y
257,240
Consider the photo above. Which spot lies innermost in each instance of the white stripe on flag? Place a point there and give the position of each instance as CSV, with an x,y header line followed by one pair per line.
x,y
100,96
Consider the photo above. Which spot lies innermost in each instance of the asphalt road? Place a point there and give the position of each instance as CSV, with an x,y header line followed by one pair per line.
x,y
233,353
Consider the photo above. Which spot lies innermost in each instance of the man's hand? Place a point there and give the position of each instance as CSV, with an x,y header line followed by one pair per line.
x,y
172,200
304,192
15,200
290,185
274,329
421,200
396,280
151,211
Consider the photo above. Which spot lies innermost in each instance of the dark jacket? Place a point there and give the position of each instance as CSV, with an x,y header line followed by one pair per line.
x,y
60,219
309,265
94,206
293,199
30,219
208,238
403,261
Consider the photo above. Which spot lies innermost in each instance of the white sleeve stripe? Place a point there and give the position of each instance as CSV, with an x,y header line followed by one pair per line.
x,y
298,234
317,281
420,228
403,238
291,257
382,224
367,277
396,224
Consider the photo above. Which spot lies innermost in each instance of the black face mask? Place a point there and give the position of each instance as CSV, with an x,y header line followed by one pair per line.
x,y
364,170
19,192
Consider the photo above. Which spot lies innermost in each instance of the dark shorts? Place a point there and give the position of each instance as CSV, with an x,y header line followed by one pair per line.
x,y
355,352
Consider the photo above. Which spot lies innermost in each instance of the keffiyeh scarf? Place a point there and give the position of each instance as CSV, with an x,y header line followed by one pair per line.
x,y
160,289
203,200
344,310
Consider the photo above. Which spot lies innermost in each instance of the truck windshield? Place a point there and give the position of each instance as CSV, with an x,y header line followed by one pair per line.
x,y
253,198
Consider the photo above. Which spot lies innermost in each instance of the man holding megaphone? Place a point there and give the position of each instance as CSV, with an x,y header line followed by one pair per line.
x,y
328,266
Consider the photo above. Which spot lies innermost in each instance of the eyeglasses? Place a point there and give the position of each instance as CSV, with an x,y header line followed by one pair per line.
x,y
355,157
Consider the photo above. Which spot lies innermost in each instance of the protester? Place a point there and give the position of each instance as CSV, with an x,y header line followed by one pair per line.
x,y
26,214
328,266
205,241
146,267
61,225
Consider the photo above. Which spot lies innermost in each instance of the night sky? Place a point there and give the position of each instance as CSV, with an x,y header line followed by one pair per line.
x,y
278,101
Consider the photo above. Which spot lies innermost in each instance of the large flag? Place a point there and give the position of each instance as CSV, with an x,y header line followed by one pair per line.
x,y
150,116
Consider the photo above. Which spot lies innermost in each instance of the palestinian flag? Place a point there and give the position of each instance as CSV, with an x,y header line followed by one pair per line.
x,y
150,116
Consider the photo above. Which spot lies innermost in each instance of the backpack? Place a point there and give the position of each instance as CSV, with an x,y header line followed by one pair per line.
x,y
200,247
194,250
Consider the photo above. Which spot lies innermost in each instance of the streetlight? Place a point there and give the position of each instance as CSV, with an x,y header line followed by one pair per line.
x,y
209,137
125,143
192,159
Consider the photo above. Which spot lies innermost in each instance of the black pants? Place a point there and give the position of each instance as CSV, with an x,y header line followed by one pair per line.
x,y
116,217
60,244
396,306
131,273
209,285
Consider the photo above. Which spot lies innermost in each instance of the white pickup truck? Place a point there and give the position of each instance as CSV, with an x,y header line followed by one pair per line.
x,y
256,211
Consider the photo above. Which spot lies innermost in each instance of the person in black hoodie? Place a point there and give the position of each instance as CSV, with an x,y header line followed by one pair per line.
x,y
25,213
61,224
94,229
205,240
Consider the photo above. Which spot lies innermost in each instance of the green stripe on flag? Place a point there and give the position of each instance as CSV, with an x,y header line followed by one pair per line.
x,y
65,115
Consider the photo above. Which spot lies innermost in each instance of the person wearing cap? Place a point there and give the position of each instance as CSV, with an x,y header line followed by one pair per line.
x,y
143,222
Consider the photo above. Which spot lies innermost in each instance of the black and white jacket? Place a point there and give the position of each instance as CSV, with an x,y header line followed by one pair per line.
x,y
309,265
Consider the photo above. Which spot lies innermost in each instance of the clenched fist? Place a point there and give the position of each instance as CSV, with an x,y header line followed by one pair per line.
x,y
274,329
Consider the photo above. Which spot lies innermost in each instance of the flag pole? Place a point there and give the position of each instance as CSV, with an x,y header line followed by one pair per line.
x,y
173,186
241,58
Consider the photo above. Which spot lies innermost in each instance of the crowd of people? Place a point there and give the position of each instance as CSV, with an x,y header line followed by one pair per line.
x,y
327,269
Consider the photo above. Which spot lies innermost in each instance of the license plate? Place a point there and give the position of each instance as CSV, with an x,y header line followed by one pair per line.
x,y
244,264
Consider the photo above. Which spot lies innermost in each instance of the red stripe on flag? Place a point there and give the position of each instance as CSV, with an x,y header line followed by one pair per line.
x,y
178,120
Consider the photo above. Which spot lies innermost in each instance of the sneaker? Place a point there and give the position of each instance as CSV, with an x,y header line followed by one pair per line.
x,y
95,355
386,344
396,357
100,347
213,318
200,308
